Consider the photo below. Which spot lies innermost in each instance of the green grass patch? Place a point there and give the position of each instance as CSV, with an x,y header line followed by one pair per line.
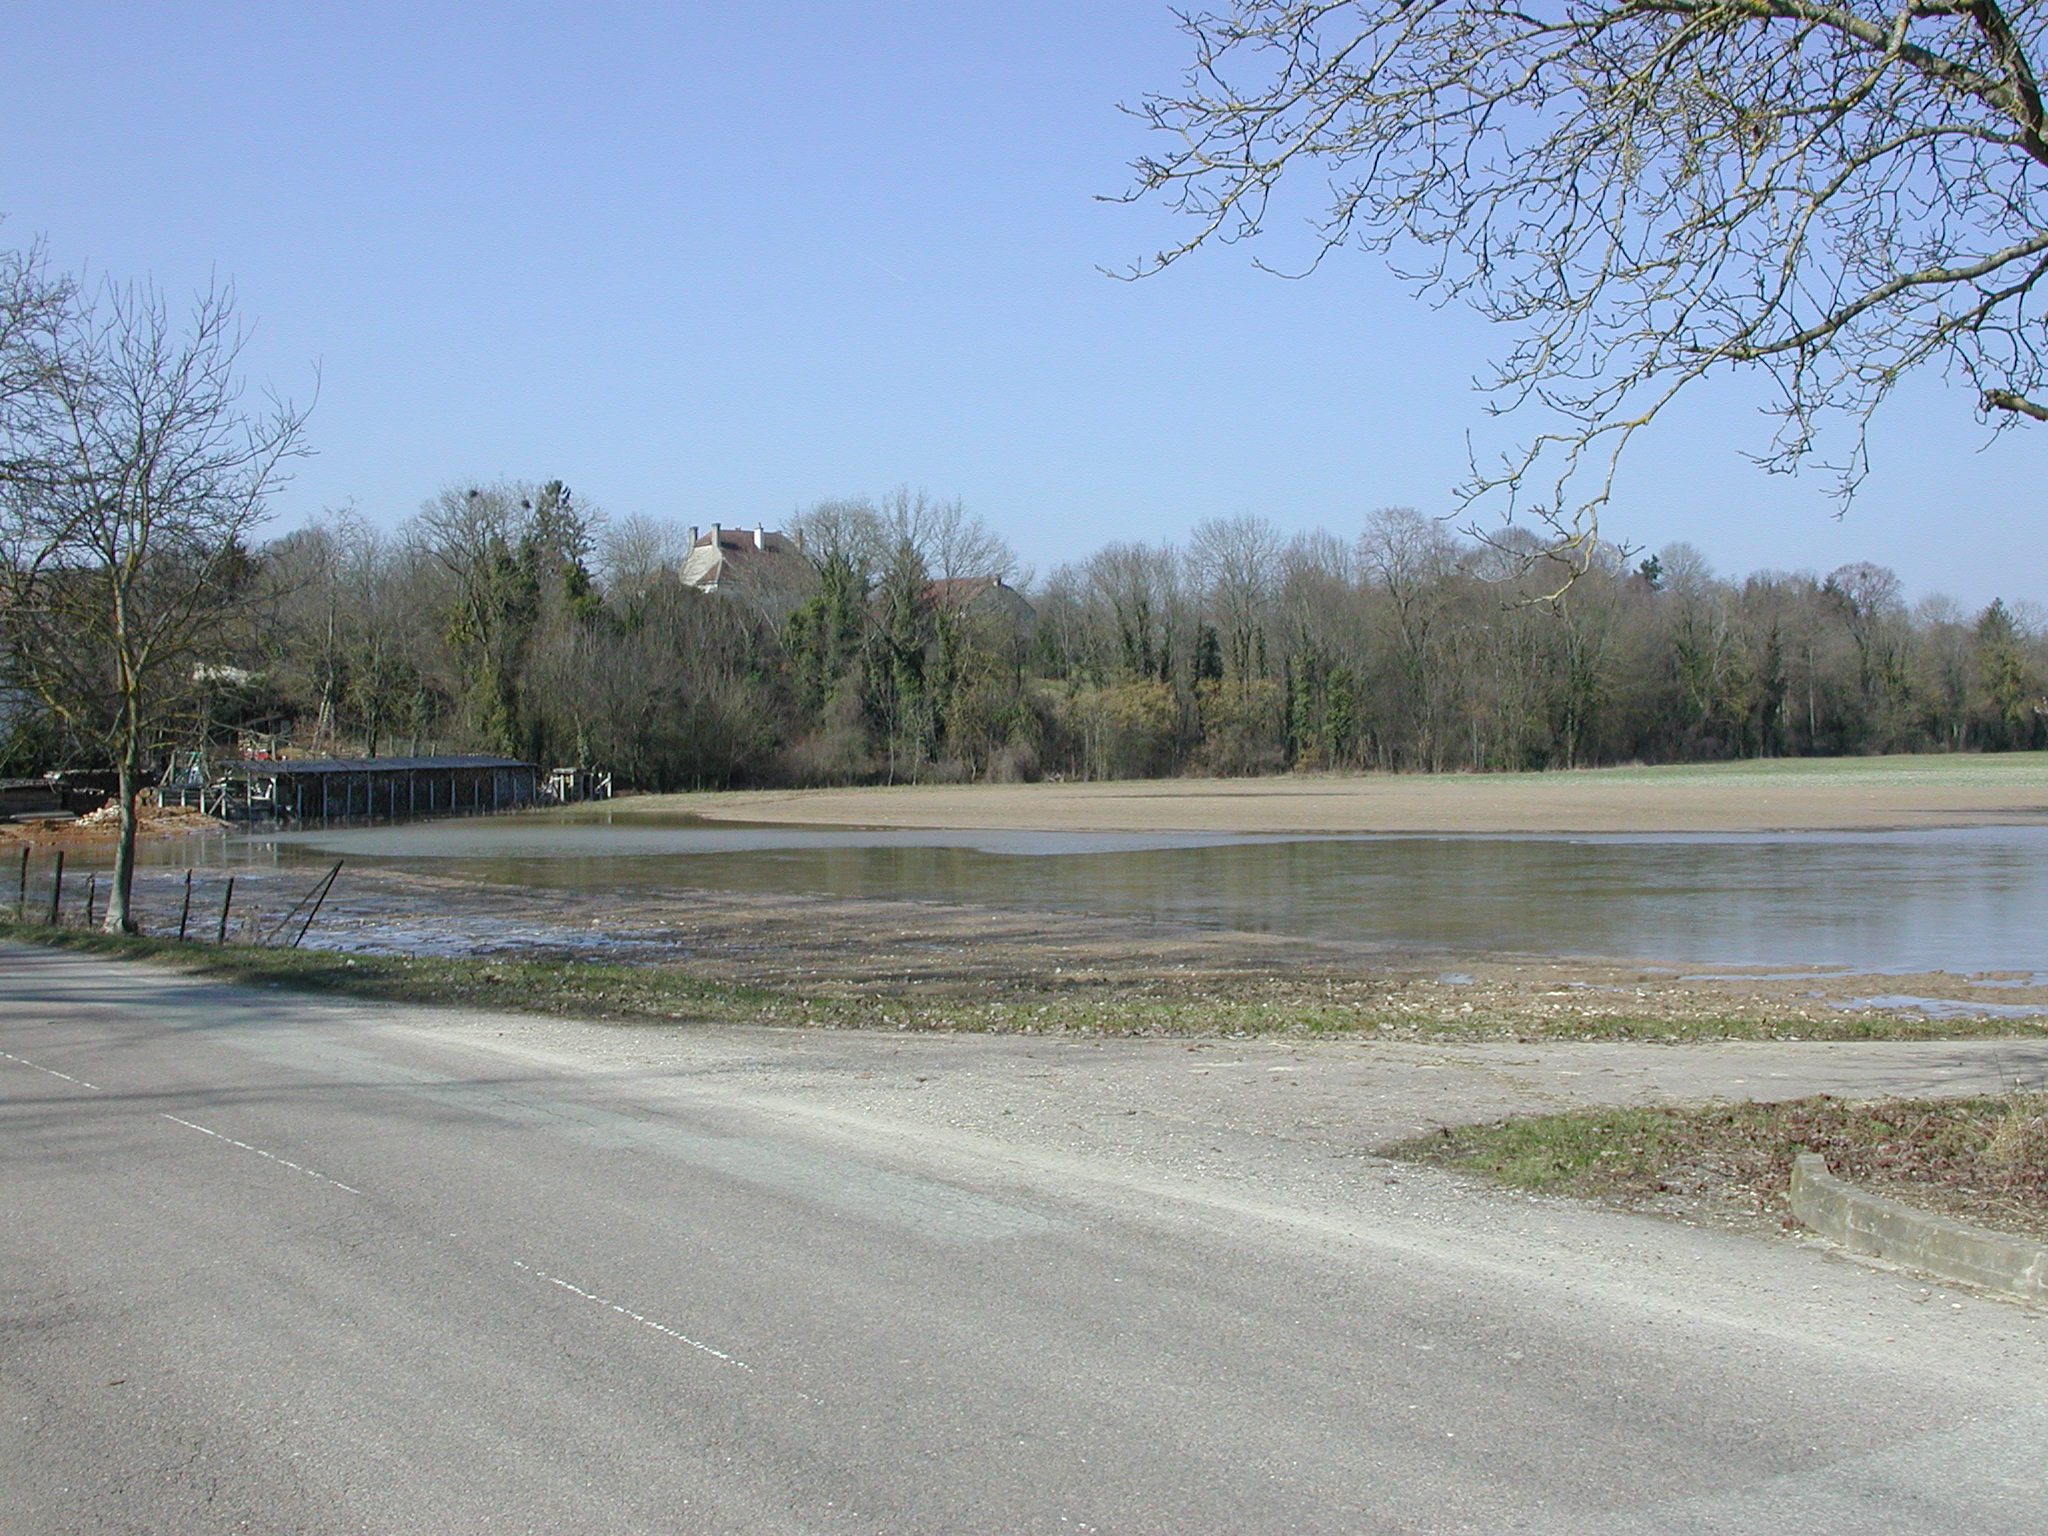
x,y
1935,770
1982,1159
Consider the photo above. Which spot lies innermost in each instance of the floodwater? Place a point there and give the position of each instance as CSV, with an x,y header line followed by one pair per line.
x,y
1957,900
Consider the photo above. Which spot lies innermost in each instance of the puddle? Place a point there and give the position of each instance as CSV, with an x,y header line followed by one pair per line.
x,y
1946,1007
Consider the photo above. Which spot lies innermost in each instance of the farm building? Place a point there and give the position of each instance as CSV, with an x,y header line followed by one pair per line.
x,y
363,788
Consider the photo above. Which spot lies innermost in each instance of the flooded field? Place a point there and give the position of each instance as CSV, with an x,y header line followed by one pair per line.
x,y
1964,900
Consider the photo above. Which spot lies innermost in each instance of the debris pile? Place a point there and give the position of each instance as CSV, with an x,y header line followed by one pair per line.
x,y
151,821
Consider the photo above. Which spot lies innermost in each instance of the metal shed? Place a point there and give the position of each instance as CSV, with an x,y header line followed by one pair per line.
x,y
373,788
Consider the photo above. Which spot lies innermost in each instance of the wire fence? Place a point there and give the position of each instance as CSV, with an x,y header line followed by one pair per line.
x,y
196,908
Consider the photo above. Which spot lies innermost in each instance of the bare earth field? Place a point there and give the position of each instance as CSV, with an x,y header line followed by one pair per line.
x,y
1777,795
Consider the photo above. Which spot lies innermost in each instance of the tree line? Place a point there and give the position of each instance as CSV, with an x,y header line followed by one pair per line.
x,y
511,617
1410,648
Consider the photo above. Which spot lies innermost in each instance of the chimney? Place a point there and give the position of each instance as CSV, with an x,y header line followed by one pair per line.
x,y
693,535
760,537
714,536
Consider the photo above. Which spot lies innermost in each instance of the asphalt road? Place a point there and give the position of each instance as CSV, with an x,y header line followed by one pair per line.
x,y
271,1264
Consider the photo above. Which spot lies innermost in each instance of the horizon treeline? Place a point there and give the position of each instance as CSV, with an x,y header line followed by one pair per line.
x,y
509,618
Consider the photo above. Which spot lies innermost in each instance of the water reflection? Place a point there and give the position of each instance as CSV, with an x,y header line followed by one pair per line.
x,y
1954,899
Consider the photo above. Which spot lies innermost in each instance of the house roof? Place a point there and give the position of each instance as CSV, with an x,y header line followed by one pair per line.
x,y
954,592
723,554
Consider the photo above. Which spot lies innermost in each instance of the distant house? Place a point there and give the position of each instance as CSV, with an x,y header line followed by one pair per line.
x,y
767,568
984,601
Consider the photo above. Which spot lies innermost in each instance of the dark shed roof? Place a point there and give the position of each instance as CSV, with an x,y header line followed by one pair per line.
x,y
292,767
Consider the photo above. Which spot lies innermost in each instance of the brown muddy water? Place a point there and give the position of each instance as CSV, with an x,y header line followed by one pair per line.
x,y
1960,900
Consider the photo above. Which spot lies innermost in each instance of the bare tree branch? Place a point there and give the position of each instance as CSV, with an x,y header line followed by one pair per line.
x,y
2006,400
1646,192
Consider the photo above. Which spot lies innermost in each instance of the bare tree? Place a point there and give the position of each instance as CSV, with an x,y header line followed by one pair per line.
x,y
1236,563
474,535
1408,560
952,541
1137,592
32,302
1646,192
636,550
33,307
949,539
849,529
126,554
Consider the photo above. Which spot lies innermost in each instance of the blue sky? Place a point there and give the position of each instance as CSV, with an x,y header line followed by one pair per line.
x,y
718,262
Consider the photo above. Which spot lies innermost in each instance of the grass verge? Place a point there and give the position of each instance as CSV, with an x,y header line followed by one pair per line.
x,y
1385,1008
1981,1160
531,986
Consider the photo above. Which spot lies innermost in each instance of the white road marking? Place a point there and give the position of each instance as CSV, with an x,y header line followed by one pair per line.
x,y
282,1161
644,1322
22,1061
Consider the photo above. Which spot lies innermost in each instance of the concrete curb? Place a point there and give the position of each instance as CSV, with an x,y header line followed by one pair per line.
x,y
1890,1229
